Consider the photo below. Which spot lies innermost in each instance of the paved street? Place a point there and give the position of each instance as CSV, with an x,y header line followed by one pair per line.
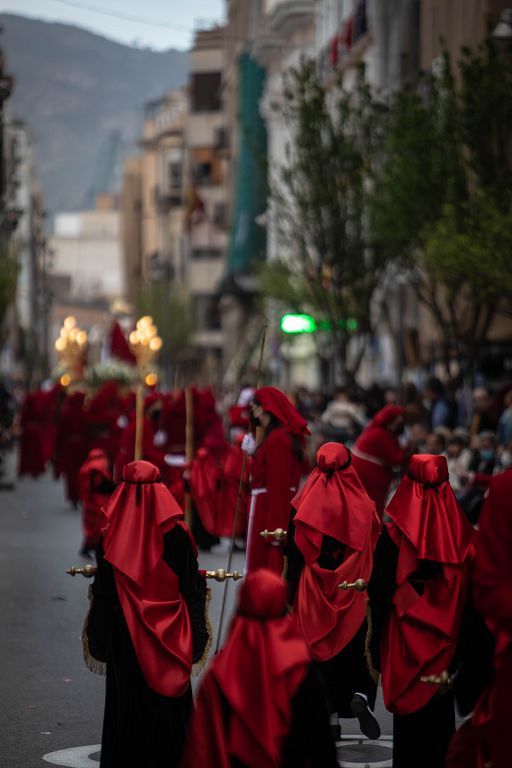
x,y
49,701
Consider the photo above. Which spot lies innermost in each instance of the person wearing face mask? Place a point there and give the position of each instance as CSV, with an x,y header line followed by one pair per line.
x,y
377,454
480,471
276,471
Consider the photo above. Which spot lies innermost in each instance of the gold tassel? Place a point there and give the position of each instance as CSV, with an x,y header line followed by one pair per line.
x,y
369,661
285,568
98,667
198,667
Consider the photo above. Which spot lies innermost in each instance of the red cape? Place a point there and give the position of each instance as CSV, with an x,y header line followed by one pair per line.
x,y
422,630
258,672
139,513
333,503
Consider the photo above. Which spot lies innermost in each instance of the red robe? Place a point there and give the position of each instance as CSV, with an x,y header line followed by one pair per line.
x,y
71,443
127,449
276,472
214,482
93,472
333,503
377,456
32,447
486,736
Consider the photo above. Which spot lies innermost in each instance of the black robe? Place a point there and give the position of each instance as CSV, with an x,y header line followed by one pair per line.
x,y
421,738
140,726
347,672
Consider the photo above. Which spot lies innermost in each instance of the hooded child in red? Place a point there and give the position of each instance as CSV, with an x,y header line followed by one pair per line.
x,y
331,539
418,594
95,487
377,455
276,471
259,705
146,622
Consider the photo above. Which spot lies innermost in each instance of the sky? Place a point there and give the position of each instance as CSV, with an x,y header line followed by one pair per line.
x,y
158,24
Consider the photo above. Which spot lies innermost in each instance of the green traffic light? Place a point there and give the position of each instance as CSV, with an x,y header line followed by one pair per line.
x,y
293,323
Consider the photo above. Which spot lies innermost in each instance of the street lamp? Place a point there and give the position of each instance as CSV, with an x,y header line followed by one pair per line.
x,y
145,345
71,347
503,30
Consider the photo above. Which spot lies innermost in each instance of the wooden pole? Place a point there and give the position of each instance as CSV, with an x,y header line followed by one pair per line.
x,y
189,447
139,421
239,496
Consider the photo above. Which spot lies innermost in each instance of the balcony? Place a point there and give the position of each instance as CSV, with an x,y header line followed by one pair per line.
x,y
286,14
165,199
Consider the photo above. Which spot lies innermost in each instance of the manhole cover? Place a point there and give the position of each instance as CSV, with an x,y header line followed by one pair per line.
x,y
76,757
365,754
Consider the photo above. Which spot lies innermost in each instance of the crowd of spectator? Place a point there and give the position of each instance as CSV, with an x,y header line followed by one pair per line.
x,y
473,430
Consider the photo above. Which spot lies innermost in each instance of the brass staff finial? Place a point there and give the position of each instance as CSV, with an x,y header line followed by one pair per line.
x,y
278,535
87,571
360,585
444,680
221,575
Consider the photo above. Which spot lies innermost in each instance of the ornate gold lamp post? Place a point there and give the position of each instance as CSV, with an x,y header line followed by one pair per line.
x,y
71,346
145,344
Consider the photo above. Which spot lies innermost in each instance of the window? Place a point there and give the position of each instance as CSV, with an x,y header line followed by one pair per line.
x,y
206,253
205,92
175,168
206,312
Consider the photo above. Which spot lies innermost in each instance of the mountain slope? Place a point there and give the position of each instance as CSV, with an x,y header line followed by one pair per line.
x,y
75,89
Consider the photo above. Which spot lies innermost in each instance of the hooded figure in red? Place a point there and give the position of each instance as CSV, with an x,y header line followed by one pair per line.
x,y
146,622
95,487
72,442
485,739
32,450
276,471
331,539
259,705
150,451
418,594
377,455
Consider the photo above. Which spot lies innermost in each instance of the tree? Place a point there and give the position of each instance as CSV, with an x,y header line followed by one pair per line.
x,y
170,309
329,263
444,193
8,276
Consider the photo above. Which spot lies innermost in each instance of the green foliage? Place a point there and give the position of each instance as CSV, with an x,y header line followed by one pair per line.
x,y
444,194
170,309
423,184
8,276
322,198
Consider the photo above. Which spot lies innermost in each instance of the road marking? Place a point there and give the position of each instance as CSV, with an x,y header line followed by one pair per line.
x,y
77,757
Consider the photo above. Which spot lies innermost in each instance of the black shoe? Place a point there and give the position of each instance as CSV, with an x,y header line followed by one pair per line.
x,y
367,722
